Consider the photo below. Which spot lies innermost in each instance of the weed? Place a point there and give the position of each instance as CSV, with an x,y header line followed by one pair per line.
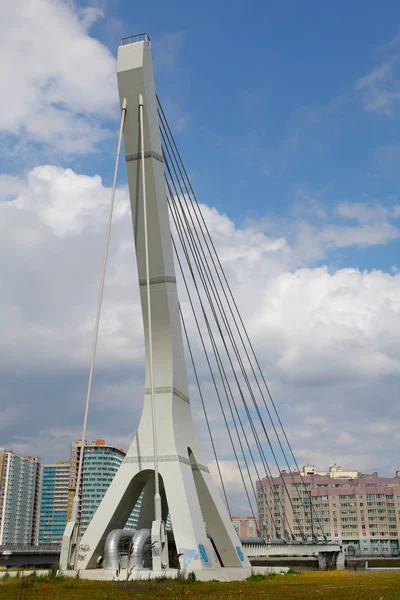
x,y
256,577
53,571
182,594
191,578
332,585
181,575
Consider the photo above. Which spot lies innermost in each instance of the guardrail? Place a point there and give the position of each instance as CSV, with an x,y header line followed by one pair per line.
x,y
11,548
138,37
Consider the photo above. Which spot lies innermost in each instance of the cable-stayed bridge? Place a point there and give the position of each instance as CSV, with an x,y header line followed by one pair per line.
x,y
164,462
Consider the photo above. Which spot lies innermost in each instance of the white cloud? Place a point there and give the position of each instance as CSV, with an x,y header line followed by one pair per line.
x,y
66,202
328,340
362,212
336,236
301,242
60,81
52,232
329,325
380,89
9,186
308,201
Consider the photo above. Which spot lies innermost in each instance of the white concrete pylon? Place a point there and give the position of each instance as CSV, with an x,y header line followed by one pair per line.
x,y
187,489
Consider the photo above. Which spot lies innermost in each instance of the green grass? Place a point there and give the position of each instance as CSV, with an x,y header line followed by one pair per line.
x,y
328,585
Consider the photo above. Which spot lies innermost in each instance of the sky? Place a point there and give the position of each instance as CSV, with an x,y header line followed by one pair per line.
x,y
288,122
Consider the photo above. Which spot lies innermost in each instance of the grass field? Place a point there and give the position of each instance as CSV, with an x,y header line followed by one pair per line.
x,y
361,585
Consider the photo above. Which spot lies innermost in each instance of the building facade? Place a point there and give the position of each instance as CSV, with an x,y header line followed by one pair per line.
x,y
245,527
361,512
335,472
53,502
1,463
19,498
100,463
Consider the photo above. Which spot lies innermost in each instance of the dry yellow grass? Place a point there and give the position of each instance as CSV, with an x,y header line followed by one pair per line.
x,y
340,585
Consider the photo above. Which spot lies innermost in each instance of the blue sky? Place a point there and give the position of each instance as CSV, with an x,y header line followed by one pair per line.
x,y
266,102
287,117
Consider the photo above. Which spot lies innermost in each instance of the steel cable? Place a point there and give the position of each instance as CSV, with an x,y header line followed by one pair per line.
x,y
194,202
196,252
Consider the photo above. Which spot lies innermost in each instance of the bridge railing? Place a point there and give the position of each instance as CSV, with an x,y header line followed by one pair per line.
x,y
7,548
261,550
138,37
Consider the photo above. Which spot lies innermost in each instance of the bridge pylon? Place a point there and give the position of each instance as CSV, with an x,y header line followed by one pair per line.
x,y
185,487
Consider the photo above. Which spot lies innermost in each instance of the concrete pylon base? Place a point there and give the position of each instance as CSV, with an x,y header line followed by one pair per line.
x,y
187,490
226,574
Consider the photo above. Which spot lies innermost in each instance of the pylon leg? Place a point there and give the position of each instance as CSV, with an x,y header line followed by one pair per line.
x,y
195,509
113,512
188,493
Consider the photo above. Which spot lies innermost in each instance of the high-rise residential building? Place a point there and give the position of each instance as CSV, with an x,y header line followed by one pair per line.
x,y
1,463
19,498
245,527
362,512
100,463
53,502
335,471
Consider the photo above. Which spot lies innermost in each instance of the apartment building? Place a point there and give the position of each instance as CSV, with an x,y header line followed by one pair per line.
x,y
335,472
1,463
100,463
53,502
245,527
19,498
361,512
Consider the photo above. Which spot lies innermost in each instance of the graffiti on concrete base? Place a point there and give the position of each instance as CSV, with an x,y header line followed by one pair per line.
x,y
189,554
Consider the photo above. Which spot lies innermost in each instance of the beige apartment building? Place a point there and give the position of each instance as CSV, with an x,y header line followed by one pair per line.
x,y
362,512
245,526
